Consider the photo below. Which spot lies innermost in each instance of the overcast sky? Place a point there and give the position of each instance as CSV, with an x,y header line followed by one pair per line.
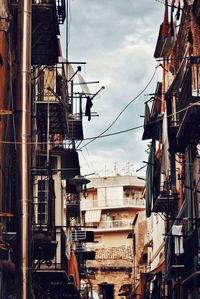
x,y
116,39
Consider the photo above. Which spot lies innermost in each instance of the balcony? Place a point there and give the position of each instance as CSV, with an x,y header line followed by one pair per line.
x,y
53,105
114,225
123,203
44,247
189,129
47,247
82,236
46,17
51,272
67,127
165,202
191,255
189,106
44,34
73,209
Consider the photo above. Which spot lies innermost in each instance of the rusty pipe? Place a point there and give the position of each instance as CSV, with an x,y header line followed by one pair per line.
x,y
23,120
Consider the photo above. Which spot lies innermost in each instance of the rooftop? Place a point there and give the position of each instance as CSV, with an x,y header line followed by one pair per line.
x,y
113,181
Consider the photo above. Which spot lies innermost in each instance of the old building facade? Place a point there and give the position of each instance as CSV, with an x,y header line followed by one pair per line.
x,y
115,208
40,181
172,187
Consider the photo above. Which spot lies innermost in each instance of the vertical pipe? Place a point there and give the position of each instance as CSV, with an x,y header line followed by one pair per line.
x,y
67,33
23,115
4,81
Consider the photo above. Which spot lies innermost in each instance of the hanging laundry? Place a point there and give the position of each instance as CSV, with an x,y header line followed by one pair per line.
x,y
147,116
73,269
147,123
165,29
88,108
178,11
165,159
178,239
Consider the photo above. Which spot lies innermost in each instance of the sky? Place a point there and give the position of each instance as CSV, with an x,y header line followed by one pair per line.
x,y
116,39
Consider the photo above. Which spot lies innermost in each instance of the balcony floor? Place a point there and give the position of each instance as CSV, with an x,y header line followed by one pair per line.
x,y
165,204
59,121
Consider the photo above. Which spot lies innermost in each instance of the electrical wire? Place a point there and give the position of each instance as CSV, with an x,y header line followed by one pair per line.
x,y
118,116
169,4
163,2
110,134
141,126
163,218
79,143
90,167
187,21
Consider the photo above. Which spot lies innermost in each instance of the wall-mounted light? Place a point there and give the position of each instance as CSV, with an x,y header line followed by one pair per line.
x,y
79,181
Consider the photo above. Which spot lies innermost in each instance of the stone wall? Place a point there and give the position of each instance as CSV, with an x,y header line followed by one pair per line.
x,y
112,265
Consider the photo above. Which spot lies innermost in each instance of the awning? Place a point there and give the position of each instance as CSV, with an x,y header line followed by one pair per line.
x,y
158,268
147,277
73,270
92,216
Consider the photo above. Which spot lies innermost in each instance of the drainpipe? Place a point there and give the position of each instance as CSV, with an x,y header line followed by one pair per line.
x,y
4,81
23,115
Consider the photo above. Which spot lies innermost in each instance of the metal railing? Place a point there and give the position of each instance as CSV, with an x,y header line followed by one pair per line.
x,y
59,5
116,224
190,91
191,251
121,202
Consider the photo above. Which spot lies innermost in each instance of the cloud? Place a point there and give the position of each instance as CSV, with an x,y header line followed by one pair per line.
x,y
117,40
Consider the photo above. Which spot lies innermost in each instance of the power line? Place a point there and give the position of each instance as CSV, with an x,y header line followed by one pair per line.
x,y
91,166
169,4
106,135
111,134
138,127
118,116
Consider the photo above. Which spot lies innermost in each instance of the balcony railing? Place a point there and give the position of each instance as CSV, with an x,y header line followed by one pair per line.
x,y
188,105
52,102
165,202
116,224
192,252
113,203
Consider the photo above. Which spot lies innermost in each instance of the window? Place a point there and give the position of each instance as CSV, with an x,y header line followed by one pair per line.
x,y
41,203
